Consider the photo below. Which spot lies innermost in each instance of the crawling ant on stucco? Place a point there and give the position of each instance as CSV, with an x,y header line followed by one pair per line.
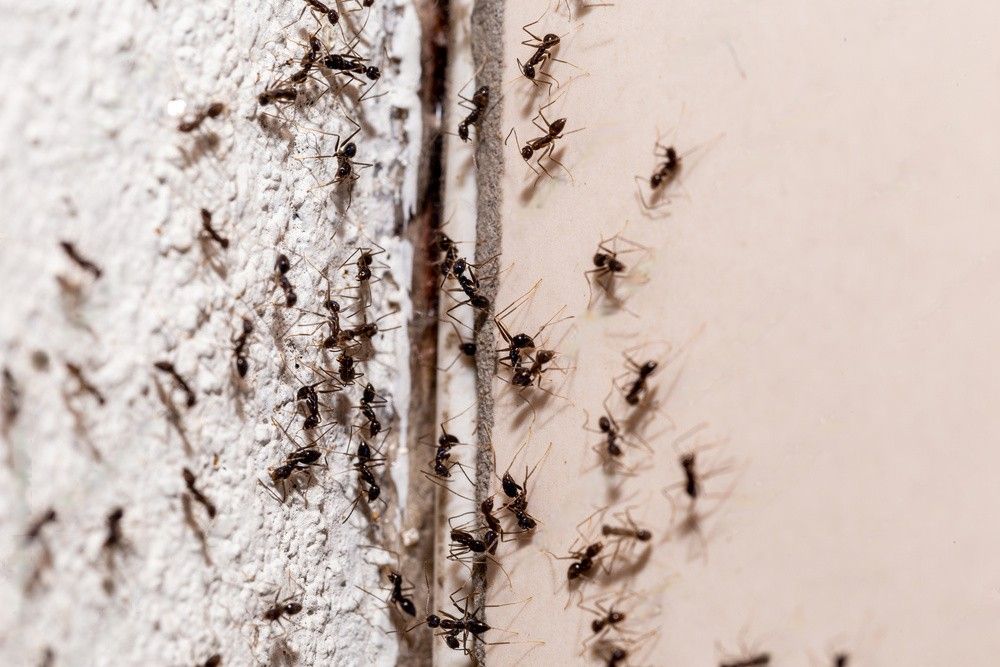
x,y
315,6
189,482
544,144
346,370
344,152
284,94
85,385
370,399
113,538
476,107
210,232
239,348
353,66
399,592
369,487
282,609
168,368
80,260
35,529
300,460
282,266
10,400
213,110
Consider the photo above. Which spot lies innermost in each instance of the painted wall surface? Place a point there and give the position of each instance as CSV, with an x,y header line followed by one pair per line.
x,y
90,153
819,293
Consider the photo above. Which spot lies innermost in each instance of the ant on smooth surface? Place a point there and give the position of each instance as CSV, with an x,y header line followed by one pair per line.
x,y
545,144
608,266
638,388
544,47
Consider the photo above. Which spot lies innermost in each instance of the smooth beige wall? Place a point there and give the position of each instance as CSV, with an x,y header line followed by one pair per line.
x,y
830,257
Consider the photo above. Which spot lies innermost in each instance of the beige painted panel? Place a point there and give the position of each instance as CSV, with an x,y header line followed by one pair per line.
x,y
833,239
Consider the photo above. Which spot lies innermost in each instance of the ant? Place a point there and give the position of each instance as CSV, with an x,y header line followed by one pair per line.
x,y
300,460
759,660
168,368
546,143
663,175
476,106
279,610
629,531
468,284
285,94
349,64
189,480
637,389
213,661
114,538
370,398
346,370
445,245
35,530
527,376
442,456
608,618
206,226
80,260
213,110
452,626
344,152
239,347
583,560
521,347
366,462
282,266
85,385
398,596
544,46
331,15
607,265
518,494
841,660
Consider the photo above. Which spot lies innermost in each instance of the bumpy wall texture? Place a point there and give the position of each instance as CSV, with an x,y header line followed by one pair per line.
x,y
92,155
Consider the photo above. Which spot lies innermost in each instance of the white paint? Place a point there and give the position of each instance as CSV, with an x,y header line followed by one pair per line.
x,y
91,154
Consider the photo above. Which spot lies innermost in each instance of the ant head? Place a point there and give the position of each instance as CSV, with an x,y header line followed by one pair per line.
x,y
526,521
443,241
550,40
282,265
350,150
615,266
486,507
618,654
648,367
529,71
310,422
468,349
330,342
574,571
242,367
672,156
344,170
616,617
369,394
460,265
600,259
557,126
247,326
527,152
307,456
604,424
292,608
477,627
655,180
447,439
373,73
368,3
335,61
614,449
594,549
215,109
332,306
521,341
373,493
282,472
264,99
597,624
332,17
304,393
643,535
463,131
433,621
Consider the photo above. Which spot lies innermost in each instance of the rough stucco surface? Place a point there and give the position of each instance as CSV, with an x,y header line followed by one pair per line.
x,y
90,154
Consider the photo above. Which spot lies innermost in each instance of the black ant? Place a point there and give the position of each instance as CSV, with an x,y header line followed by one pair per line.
x,y
521,347
476,106
518,494
300,460
664,174
114,539
492,523
637,389
351,65
213,661
468,542
206,226
759,660
546,143
239,347
468,284
331,15
344,152
346,370
629,531
85,385
370,399
526,376
282,266
841,660
544,46
449,248
168,368
398,596
451,627
607,265
189,480
279,610
80,260
608,618
364,465
35,530
583,560
285,94
213,110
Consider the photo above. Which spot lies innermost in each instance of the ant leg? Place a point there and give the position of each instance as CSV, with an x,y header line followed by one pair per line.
x,y
513,131
528,25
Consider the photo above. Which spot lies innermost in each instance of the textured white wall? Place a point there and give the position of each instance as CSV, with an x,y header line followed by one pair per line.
x,y
91,154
